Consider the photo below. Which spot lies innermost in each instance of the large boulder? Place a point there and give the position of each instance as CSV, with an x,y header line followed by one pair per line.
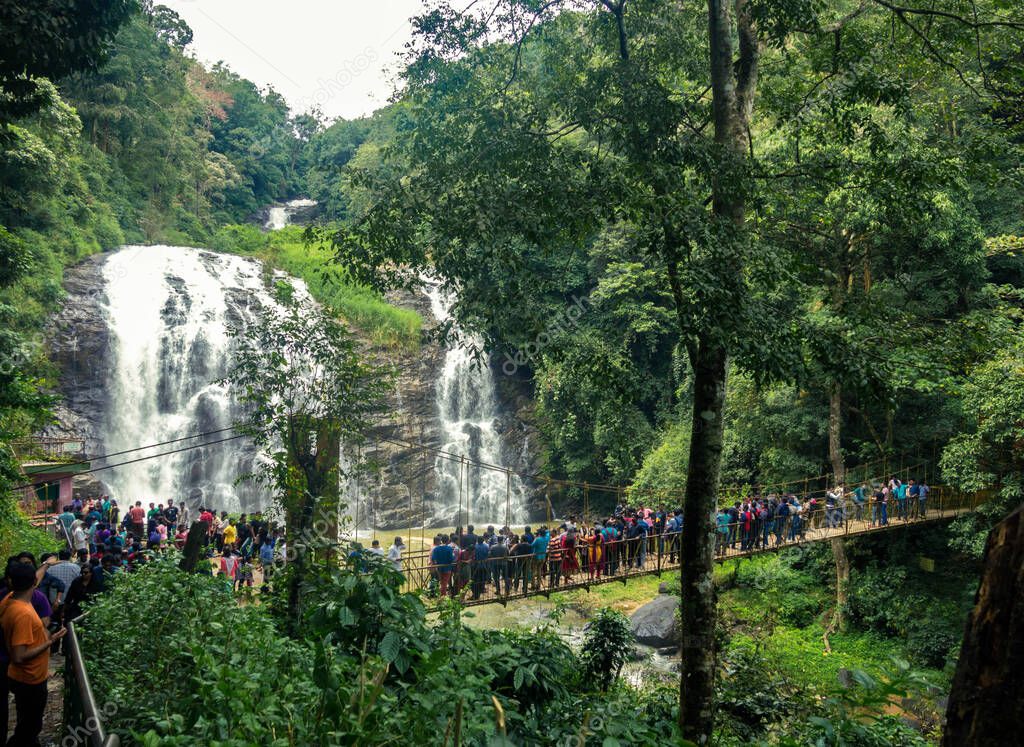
x,y
655,624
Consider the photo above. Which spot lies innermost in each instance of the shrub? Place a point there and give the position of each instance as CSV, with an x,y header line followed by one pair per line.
x,y
606,646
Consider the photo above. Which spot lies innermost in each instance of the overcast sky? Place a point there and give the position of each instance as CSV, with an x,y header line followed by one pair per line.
x,y
339,54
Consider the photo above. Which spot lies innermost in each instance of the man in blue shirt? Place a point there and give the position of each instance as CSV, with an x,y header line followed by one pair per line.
x,y
540,555
642,530
67,518
442,560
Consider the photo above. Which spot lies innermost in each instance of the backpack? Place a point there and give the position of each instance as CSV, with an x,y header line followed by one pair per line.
x,y
267,552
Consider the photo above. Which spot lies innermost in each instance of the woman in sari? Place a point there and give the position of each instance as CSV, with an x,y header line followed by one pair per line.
x,y
595,554
570,561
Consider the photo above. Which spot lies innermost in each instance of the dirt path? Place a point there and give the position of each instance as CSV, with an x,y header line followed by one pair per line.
x,y
53,718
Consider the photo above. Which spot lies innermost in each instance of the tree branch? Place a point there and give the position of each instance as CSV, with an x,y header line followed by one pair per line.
x,y
903,10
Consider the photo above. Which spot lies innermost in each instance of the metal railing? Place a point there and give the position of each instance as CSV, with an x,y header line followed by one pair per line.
x,y
49,448
83,719
589,563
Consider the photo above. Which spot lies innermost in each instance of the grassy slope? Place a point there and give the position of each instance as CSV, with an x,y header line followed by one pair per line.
x,y
18,535
363,308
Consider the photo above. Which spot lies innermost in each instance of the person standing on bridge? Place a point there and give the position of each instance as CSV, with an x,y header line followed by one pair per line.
x,y
570,558
922,496
442,563
481,570
721,531
880,513
595,554
395,554
497,558
540,555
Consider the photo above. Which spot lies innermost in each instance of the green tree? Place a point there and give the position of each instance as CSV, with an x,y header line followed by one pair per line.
x,y
307,394
51,39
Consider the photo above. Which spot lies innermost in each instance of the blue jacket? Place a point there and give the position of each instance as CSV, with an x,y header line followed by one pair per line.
x,y
443,556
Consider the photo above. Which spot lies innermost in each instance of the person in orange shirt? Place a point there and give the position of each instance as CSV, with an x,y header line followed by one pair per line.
x,y
28,645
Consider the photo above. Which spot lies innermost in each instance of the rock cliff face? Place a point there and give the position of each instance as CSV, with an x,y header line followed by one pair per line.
x,y
404,489
406,484
78,342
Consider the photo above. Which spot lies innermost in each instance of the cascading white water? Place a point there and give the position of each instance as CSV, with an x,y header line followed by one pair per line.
x,y
468,412
279,216
168,310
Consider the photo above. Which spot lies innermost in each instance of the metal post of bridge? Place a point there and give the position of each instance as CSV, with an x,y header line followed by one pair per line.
x,y
547,497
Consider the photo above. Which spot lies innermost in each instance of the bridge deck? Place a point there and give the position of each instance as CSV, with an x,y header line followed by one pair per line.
x,y
620,561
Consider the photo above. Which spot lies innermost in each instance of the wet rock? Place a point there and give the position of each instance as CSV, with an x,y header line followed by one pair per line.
x,y
655,624
636,653
668,651
77,342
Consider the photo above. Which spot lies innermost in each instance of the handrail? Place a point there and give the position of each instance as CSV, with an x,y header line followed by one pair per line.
x,y
83,720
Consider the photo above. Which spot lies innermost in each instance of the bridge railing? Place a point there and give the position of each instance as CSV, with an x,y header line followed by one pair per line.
x,y
83,718
590,561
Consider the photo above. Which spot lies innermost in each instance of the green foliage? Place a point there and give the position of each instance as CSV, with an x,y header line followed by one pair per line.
x,y
50,39
989,453
225,674
18,535
363,308
221,673
856,716
751,695
606,645
879,600
366,611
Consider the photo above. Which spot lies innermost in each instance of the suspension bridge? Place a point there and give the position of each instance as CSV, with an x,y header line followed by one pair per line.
x,y
585,560
588,561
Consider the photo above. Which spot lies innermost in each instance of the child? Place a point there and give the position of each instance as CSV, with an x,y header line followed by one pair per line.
x,y
229,565
244,573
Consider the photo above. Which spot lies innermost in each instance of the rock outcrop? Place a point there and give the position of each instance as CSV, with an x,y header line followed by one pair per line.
x,y
656,624
78,344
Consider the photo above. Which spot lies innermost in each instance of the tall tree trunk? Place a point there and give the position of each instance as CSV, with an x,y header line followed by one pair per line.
x,y
328,455
986,701
311,509
696,691
197,535
733,83
835,425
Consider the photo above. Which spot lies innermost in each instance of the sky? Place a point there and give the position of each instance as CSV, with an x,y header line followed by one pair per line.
x,y
340,55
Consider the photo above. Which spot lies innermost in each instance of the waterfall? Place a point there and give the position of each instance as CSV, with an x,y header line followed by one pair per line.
x,y
168,310
468,414
279,216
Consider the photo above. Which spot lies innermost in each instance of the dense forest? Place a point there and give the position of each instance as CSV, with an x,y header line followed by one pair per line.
x,y
148,147
785,244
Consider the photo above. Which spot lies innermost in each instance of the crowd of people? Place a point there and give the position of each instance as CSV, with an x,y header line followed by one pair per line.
x,y
96,529
39,597
503,562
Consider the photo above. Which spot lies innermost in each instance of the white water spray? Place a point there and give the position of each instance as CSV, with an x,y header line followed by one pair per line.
x,y
468,413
